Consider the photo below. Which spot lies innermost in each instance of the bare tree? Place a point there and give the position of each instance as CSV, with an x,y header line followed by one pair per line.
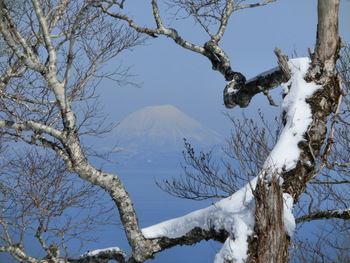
x,y
52,57
43,202
52,53
207,178
326,196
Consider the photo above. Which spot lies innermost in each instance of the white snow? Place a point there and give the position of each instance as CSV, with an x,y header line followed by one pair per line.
x,y
289,220
263,74
91,253
286,153
231,90
235,214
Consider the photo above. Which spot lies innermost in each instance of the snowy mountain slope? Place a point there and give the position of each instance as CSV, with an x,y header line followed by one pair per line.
x,y
157,133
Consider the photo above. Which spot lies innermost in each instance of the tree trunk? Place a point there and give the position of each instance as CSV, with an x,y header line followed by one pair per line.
x,y
270,242
327,29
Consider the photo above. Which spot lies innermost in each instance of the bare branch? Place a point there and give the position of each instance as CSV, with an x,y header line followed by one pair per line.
x,y
31,126
20,254
46,35
254,5
325,214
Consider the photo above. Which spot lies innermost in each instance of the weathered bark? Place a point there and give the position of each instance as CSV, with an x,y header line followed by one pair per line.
x,y
238,92
103,256
327,39
270,241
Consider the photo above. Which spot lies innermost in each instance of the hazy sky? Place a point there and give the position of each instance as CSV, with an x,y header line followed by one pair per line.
x,y
173,75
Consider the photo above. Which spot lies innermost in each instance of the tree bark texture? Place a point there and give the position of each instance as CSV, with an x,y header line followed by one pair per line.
x,y
327,39
270,241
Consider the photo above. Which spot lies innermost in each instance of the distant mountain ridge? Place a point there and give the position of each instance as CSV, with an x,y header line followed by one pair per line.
x,y
156,133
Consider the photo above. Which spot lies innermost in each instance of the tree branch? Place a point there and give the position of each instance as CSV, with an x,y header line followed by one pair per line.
x,y
31,126
254,5
18,253
101,256
46,34
6,27
240,93
325,214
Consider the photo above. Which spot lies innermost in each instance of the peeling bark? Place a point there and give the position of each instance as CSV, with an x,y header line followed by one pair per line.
x,y
327,39
239,93
270,241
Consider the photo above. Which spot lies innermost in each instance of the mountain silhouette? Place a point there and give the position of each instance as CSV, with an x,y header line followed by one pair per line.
x,y
157,133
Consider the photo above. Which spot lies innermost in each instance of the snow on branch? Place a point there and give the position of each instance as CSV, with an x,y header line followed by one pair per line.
x,y
102,256
236,214
238,93
286,152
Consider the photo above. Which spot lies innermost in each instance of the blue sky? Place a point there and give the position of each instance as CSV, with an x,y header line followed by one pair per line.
x,y
173,75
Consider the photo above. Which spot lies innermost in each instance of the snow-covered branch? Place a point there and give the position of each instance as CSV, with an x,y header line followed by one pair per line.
x,y
240,92
237,214
242,222
234,215
102,256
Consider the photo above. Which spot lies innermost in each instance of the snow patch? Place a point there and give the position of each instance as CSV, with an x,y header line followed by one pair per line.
x,y
286,152
264,74
231,90
235,214
289,220
91,253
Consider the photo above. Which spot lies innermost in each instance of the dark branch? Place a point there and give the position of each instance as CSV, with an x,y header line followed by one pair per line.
x,y
196,235
241,95
237,92
325,214
102,256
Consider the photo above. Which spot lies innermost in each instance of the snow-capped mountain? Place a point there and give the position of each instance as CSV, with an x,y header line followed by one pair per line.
x,y
156,135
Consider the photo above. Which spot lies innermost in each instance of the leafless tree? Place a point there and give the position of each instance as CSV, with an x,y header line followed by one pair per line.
x,y
207,178
43,203
51,56
326,196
